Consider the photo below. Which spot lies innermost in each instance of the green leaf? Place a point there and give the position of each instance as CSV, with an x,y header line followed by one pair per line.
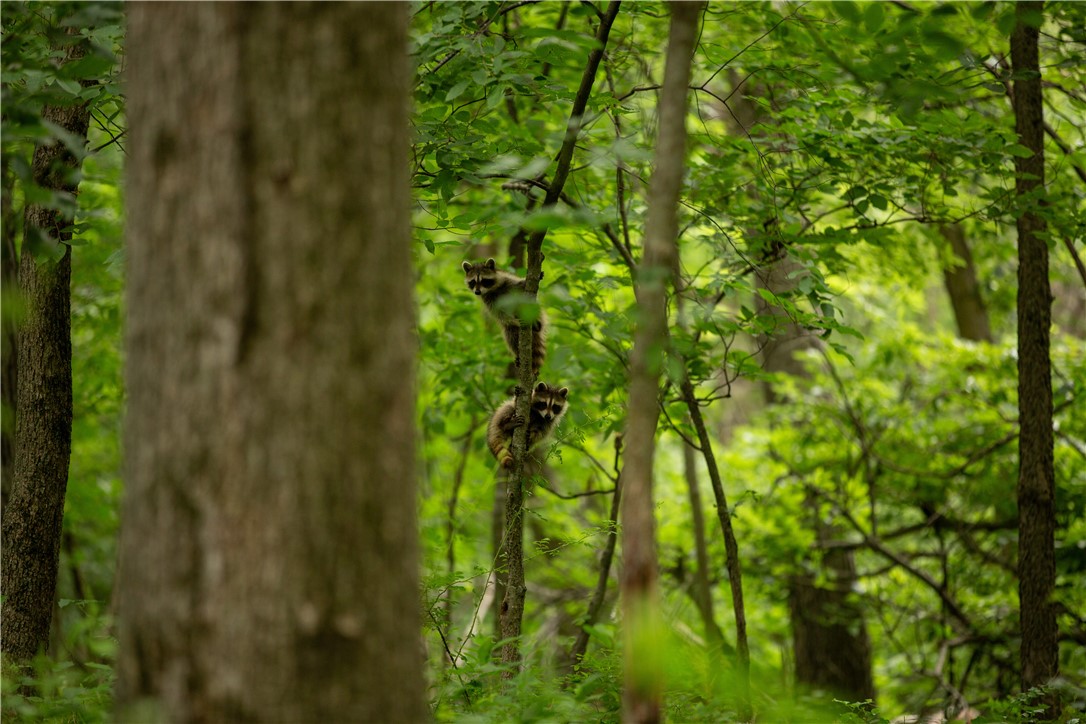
x,y
496,96
70,85
874,16
1017,149
847,10
457,90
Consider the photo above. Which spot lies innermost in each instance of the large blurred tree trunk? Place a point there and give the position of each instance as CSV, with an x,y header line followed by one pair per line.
x,y
1036,477
33,514
268,550
643,689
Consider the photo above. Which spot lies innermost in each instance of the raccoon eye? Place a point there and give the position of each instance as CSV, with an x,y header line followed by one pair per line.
x,y
541,406
471,283
487,283
556,409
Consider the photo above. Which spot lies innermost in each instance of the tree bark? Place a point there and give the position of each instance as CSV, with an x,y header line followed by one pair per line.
x,y
643,691
268,562
580,644
963,288
1036,480
33,517
9,281
731,549
702,596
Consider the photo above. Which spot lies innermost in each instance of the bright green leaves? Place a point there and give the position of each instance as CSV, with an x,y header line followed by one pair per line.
x,y
456,91
45,65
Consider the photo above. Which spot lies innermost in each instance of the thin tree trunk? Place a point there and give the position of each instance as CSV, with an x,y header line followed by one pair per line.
x,y
580,645
963,288
731,548
497,538
1036,481
33,517
643,691
450,528
268,555
512,607
702,595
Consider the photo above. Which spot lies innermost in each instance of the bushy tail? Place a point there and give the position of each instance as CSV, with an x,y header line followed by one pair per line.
x,y
539,344
496,439
503,454
539,348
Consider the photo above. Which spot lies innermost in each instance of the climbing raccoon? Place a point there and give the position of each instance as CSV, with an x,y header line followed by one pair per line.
x,y
548,406
499,290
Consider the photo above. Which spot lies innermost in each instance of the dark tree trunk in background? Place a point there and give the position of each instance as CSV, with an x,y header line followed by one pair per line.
x,y
829,636
820,642
268,564
963,288
643,690
831,647
33,515
1036,478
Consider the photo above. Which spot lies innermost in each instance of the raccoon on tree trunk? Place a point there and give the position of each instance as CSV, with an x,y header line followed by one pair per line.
x,y
548,406
500,292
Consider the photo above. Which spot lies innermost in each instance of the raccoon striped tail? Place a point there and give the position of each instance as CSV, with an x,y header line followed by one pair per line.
x,y
499,447
498,434
539,348
539,344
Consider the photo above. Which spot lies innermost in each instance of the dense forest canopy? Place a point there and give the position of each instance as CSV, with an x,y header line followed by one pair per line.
x,y
878,242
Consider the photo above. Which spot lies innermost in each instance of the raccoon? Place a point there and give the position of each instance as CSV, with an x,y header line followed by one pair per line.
x,y
494,287
548,406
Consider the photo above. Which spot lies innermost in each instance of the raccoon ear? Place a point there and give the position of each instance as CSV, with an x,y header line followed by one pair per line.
x,y
563,392
541,387
489,264
467,267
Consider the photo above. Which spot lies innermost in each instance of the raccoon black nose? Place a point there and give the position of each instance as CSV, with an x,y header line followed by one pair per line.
x,y
478,293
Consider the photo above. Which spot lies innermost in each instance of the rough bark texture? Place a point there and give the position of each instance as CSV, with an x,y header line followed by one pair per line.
x,y
1036,482
43,415
268,564
9,282
963,289
643,689
512,606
